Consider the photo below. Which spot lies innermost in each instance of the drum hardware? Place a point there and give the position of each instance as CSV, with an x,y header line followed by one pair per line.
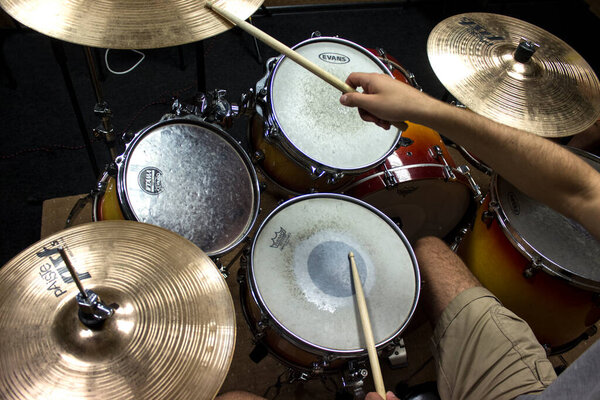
x,y
390,180
92,310
465,171
458,238
398,357
437,153
353,378
506,78
534,268
412,80
489,215
213,108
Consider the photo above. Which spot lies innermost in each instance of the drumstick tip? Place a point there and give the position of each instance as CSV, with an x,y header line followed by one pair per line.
x,y
351,255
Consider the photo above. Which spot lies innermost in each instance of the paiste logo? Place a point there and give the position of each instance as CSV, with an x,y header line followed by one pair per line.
x,y
480,31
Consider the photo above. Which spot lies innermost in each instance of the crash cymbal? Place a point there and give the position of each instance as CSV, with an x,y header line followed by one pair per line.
x,y
545,87
132,24
171,334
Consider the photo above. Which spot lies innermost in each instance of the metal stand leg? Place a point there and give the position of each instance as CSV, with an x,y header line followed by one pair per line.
x,y
61,58
200,67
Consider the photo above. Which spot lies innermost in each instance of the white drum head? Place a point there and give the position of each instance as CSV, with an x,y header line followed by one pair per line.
x,y
190,179
300,272
565,247
311,117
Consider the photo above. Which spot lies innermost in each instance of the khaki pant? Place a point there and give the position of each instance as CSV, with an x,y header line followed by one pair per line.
x,y
484,351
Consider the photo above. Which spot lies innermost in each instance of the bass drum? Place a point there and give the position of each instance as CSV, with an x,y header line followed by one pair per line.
x,y
298,295
418,186
303,139
187,176
541,265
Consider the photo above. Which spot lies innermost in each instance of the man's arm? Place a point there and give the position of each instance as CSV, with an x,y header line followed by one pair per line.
x,y
538,167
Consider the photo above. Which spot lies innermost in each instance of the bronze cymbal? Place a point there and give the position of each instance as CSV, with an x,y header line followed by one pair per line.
x,y
132,24
171,337
545,87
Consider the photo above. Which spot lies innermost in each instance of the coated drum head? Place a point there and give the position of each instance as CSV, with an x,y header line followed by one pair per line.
x,y
300,272
563,246
310,116
193,179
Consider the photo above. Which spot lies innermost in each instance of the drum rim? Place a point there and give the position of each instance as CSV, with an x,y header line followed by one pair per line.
x,y
122,161
281,328
528,250
284,141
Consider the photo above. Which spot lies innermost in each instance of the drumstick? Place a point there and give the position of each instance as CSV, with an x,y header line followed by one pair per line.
x,y
283,49
290,53
366,325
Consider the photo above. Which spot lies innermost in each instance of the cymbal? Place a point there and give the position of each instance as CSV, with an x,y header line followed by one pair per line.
x,y
171,336
132,24
545,87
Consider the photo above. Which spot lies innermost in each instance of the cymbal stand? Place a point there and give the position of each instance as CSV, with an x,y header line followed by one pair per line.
x,y
61,58
92,311
105,129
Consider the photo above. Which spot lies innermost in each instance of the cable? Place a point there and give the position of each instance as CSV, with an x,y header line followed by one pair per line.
x,y
128,70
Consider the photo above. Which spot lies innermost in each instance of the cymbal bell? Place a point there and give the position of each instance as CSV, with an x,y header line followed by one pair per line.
x,y
132,24
515,73
171,336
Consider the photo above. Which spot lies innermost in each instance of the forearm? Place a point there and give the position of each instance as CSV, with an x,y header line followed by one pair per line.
x,y
538,167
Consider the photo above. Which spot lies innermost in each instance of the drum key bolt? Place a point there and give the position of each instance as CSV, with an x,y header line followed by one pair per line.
x,y
466,172
534,268
389,180
258,156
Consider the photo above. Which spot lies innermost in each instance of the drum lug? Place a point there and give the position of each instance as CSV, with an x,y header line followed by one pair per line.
x,y
272,133
389,179
465,171
437,153
487,217
534,268
316,172
258,156
460,236
335,178
315,34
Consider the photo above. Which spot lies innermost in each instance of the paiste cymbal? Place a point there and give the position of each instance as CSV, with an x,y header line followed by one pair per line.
x,y
171,337
554,93
131,24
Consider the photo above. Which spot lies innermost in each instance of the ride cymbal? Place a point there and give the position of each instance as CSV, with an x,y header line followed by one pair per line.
x,y
132,24
171,335
542,86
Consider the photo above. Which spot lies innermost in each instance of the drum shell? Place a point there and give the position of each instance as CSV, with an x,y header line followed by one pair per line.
x,y
106,206
413,163
282,347
557,312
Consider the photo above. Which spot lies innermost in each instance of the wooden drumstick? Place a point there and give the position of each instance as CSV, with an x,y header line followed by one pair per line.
x,y
293,55
283,49
366,325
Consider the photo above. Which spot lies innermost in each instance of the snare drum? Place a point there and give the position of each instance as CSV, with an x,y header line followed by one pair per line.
x,y
418,186
540,264
187,176
303,138
299,297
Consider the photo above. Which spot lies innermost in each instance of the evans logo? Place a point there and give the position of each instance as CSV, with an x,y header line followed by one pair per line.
x,y
334,58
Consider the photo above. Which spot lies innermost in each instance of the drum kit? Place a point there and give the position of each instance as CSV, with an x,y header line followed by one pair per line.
x,y
135,304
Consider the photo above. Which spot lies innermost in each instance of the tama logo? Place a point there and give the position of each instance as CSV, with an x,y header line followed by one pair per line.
x,y
150,180
334,58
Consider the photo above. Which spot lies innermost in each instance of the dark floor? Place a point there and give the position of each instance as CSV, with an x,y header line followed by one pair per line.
x,y
43,154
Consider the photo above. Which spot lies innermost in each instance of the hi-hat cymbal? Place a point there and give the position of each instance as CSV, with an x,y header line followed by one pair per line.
x,y
552,92
132,24
171,337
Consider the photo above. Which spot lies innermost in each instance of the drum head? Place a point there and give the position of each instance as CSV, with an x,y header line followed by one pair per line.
x,y
193,179
566,248
301,276
310,116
